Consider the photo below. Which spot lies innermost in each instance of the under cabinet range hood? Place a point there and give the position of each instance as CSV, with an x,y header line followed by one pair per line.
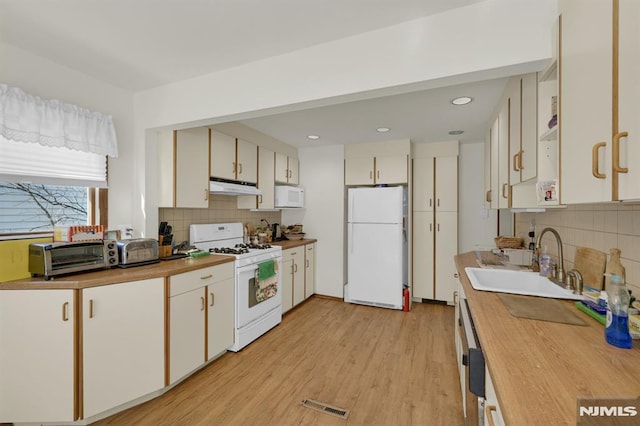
x,y
222,187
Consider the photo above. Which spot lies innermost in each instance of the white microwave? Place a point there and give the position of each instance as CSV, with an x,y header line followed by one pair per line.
x,y
289,196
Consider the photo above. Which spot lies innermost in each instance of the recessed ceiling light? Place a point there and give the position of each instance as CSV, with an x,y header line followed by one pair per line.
x,y
456,132
462,100
382,129
314,137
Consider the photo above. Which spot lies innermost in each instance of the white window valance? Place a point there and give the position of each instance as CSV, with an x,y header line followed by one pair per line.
x,y
30,119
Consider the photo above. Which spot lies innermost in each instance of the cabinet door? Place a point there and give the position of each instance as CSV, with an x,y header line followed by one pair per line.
x,y
309,271
503,156
446,243
514,100
123,343
192,168
297,255
423,184
487,169
423,255
495,163
186,332
282,168
358,171
37,355
391,170
220,318
446,196
247,162
223,156
287,282
492,411
628,94
294,170
529,124
585,100
266,178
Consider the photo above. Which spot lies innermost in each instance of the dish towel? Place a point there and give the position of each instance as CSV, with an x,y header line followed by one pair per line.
x,y
266,270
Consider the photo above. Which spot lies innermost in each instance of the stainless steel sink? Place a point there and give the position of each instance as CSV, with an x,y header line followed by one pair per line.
x,y
517,282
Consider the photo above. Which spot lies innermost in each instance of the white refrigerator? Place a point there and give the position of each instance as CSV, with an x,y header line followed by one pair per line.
x,y
377,246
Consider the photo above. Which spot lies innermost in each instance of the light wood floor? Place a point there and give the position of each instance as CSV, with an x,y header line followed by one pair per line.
x,y
387,367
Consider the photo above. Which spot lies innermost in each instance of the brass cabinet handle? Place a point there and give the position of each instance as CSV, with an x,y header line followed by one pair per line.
x,y
488,412
206,277
292,269
487,196
378,174
438,227
370,174
595,166
520,166
260,202
431,227
202,302
505,186
213,299
438,202
430,202
240,168
65,311
455,298
295,267
90,308
515,163
206,194
616,153
307,262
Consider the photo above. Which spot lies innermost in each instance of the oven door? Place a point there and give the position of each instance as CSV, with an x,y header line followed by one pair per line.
x,y
253,298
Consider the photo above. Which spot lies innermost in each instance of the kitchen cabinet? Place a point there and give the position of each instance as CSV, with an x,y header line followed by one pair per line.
x,y
391,169
599,109
183,157
504,198
201,315
523,124
492,411
122,343
37,355
266,183
435,226
287,169
457,334
233,159
293,277
309,270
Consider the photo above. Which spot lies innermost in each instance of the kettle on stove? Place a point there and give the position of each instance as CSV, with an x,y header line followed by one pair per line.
x,y
276,232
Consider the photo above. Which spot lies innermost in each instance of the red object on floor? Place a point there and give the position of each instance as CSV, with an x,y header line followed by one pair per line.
x,y
405,295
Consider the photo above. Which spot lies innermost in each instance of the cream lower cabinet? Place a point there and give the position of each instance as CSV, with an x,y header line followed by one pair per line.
x,y
423,257
37,356
122,343
293,276
492,412
309,270
201,304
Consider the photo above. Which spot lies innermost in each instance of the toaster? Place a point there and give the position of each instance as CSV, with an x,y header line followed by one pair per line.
x,y
137,251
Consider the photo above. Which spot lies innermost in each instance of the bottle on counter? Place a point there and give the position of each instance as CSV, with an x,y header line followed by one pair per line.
x,y
546,264
614,266
617,330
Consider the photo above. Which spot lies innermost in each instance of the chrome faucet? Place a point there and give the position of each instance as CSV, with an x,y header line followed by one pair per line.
x,y
574,281
559,273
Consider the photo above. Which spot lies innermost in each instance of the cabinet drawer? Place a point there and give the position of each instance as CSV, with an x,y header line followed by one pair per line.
x,y
187,281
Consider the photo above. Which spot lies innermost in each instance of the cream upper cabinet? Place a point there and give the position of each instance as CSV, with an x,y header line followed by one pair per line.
x,y
266,183
287,169
494,162
391,169
359,171
37,355
122,343
446,195
523,123
184,168
487,169
233,159
424,173
503,157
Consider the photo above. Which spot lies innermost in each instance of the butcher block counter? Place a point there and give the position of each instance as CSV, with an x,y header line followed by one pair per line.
x,y
287,244
163,268
540,368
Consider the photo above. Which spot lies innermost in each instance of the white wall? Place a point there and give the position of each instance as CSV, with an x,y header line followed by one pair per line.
x,y
490,39
477,226
322,177
48,80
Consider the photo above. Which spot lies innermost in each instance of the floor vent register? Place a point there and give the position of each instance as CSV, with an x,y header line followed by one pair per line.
x,y
325,408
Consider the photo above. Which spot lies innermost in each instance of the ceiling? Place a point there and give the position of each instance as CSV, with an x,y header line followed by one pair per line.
x,y
141,44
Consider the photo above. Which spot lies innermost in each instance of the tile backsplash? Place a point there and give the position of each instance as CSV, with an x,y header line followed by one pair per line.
x,y
222,208
599,226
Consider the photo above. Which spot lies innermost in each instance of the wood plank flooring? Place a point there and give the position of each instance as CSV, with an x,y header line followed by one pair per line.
x,y
387,367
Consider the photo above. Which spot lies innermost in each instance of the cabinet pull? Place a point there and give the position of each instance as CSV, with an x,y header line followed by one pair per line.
x,y
234,167
202,303
370,174
455,298
430,202
505,186
292,269
90,308
295,267
616,153
515,163
378,174
438,227
438,202
520,166
240,172
487,196
431,227
206,277
595,163
260,202
307,262
65,311
488,411
206,194
213,299
290,173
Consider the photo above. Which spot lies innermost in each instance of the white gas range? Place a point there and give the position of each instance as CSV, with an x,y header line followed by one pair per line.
x,y
258,281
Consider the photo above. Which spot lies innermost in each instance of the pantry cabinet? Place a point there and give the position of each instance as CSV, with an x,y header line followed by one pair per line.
x,y
183,162
435,227
266,184
287,169
233,159
201,317
599,108
37,356
122,343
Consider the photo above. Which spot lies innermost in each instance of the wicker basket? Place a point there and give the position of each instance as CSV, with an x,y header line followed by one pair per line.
x,y
508,242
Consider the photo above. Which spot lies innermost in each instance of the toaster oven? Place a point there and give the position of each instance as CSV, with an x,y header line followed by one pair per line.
x,y
51,259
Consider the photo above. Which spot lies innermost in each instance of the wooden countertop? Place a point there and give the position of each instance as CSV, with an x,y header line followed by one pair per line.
x,y
287,244
540,368
118,275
